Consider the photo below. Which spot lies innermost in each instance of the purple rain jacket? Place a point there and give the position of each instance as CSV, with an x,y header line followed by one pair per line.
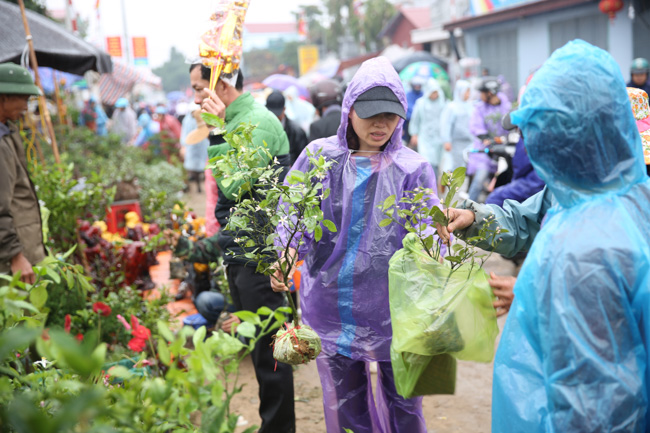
x,y
344,286
486,119
525,181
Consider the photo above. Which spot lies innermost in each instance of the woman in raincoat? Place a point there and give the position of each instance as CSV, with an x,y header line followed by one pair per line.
x,y
574,352
424,127
344,287
454,125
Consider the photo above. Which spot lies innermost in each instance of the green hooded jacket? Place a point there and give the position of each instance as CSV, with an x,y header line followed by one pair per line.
x,y
269,130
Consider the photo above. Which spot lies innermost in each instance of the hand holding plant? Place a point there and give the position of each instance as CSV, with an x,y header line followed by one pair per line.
x,y
272,220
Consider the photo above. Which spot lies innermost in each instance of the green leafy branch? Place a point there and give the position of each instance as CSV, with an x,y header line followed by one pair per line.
x,y
266,204
416,214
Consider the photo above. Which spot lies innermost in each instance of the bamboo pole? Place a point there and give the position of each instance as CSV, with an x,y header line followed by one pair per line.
x,y
41,98
59,102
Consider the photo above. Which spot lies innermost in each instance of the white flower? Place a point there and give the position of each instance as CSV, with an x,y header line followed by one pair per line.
x,y
43,363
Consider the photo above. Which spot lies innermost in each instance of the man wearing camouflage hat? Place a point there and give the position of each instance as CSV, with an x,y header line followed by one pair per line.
x,y
21,234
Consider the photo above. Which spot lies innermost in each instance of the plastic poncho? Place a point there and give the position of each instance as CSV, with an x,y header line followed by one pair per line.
x,y
486,120
574,352
425,122
124,123
344,293
196,155
455,124
148,128
297,109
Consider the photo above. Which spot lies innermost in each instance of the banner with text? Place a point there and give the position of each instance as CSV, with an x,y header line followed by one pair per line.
x,y
307,58
114,46
140,51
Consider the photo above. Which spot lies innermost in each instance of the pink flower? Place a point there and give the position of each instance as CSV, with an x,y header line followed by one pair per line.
x,y
68,324
124,322
79,337
101,308
134,322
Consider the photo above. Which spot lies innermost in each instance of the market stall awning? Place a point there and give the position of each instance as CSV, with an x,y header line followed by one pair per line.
x,y
55,46
120,82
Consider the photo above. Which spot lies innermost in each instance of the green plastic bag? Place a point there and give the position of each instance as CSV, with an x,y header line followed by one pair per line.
x,y
436,314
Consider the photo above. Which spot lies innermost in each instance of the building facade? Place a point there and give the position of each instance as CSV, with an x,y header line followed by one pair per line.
x,y
516,39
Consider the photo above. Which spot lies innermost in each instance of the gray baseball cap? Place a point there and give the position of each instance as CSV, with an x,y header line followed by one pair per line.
x,y
376,101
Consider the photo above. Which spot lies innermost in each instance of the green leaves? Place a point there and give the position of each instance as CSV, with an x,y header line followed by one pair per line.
x,y
212,120
388,203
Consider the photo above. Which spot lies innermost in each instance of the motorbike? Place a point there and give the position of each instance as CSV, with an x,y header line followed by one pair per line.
x,y
501,149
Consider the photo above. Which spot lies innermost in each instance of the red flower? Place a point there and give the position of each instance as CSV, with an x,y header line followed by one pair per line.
x,y
68,323
101,308
80,337
137,344
141,332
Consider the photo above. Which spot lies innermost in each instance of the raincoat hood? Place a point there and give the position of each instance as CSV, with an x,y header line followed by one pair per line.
x,y
459,91
581,143
431,86
375,72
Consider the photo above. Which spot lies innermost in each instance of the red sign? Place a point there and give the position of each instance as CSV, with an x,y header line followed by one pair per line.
x,y
114,46
139,48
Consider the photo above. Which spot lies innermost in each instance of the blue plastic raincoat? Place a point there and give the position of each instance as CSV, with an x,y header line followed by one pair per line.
x,y
196,155
454,124
574,351
425,123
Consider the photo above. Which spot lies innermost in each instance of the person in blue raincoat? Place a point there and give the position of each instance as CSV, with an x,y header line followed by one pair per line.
x,y
425,123
196,155
574,352
344,287
454,124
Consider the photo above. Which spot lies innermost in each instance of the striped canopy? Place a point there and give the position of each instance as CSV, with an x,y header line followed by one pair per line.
x,y
121,81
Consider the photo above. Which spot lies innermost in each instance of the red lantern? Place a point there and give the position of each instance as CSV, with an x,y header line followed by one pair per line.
x,y
610,7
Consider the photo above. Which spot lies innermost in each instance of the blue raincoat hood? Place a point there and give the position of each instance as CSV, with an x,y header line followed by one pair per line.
x,y
581,143
574,354
375,72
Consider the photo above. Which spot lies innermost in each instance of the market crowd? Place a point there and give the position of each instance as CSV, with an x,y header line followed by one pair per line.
x,y
573,355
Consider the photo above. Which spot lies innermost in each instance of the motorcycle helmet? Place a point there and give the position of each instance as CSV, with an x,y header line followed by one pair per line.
x,y
326,92
490,85
640,66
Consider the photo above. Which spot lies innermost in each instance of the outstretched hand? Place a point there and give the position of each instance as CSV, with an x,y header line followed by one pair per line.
x,y
458,219
502,287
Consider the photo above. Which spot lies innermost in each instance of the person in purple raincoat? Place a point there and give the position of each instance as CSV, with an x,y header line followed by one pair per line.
x,y
485,125
344,288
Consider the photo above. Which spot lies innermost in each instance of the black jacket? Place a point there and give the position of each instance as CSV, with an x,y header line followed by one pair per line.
x,y
225,238
326,126
297,138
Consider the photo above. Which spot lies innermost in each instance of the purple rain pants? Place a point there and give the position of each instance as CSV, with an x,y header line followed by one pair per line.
x,y
349,403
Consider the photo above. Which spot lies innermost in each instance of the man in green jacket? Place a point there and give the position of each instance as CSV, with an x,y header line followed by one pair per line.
x,y
249,290
21,233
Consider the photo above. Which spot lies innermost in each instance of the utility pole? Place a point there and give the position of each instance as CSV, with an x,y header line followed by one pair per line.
x,y
125,34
